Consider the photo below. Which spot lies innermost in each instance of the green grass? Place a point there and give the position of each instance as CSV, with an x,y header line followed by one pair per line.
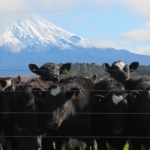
x,y
126,147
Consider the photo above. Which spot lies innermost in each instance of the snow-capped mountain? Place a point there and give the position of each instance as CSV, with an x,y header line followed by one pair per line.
x,y
35,31
32,39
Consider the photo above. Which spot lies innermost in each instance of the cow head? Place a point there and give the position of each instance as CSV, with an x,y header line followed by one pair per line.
x,y
59,103
50,71
114,106
140,100
120,71
7,90
28,138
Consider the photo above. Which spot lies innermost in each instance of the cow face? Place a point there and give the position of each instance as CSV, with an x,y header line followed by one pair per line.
x,y
7,91
59,104
50,71
114,106
120,71
28,138
140,100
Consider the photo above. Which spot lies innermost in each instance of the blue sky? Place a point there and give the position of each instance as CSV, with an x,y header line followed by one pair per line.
x,y
121,24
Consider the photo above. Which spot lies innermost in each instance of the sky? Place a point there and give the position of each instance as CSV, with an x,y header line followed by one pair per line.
x,y
120,24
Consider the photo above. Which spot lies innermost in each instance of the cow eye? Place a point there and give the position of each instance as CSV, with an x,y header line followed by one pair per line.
x,y
62,104
126,69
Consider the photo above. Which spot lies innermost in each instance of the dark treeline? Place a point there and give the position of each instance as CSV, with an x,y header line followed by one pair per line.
x,y
88,69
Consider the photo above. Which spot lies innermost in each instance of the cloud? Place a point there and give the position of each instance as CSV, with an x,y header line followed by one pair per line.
x,y
10,6
143,50
97,44
140,35
10,11
141,7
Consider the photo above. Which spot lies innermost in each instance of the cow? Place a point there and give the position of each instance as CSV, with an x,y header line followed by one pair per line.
x,y
119,70
29,117
68,104
50,71
8,86
29,135
109,105
139,107
25,102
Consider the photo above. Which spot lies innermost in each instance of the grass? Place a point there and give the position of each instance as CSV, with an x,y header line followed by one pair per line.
x,y
126,147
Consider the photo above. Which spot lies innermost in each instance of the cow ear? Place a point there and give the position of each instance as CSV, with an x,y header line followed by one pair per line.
x,y
72,94
135,94
65,68
106,67
97,99
3,83
133,66
34,68
38,93
18,79
94,77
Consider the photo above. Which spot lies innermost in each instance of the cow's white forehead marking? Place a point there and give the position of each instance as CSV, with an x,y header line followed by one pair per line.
x,y
117,98
55,91
121,64
8,83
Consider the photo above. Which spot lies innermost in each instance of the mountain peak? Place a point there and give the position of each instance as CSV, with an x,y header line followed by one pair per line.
x,y
36,31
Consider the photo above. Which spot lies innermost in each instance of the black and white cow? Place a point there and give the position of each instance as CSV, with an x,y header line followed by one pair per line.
x,y
109,121
8,86
139,107
68,104
120,71
50,71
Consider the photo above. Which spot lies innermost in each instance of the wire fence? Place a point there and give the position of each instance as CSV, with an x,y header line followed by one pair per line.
x,y
78,113
83,137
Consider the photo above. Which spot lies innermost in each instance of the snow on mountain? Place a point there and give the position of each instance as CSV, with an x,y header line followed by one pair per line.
x,y
34,30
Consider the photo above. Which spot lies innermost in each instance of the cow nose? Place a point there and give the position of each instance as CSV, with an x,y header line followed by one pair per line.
x,y
117,132
52,125
55,75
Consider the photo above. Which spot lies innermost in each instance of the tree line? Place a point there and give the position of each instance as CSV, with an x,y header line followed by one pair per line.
x,y
88,69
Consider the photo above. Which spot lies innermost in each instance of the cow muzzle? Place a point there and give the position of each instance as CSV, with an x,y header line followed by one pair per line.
x,y
52,125
117,131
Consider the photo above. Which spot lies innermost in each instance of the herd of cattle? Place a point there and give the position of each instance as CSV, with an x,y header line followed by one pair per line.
x,y
75,111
